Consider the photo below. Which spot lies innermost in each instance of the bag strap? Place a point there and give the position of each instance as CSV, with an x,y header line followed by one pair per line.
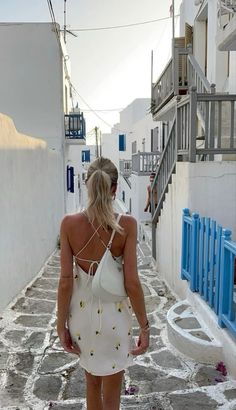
x,y
113,233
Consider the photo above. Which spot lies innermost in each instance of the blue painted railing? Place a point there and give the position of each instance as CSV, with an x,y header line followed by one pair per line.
x,y
208,263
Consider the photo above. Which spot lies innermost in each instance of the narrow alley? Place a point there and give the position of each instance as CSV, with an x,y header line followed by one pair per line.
x,y
37,374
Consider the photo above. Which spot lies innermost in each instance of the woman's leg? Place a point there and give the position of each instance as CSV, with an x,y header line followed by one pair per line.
x,y
111,388
93,395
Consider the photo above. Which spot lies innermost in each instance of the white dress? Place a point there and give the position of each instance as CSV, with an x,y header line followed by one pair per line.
x,y
102,330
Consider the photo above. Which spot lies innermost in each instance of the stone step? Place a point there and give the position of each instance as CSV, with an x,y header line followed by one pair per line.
x,y
190,336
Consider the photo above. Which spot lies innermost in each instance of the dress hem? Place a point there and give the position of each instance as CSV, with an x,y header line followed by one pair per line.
x,y
106,374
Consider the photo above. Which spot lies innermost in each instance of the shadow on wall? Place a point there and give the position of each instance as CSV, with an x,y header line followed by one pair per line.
x,y
31,207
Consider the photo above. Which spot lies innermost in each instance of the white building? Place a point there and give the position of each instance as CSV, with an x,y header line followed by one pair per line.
x,y
38,173
133,139
195,96
33,62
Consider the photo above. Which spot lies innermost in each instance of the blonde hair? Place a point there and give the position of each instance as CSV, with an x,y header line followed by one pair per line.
x,y
102,175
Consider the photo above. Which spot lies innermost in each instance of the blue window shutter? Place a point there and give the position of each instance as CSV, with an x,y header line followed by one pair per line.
x,y
86,155
68,178
72,187
122,142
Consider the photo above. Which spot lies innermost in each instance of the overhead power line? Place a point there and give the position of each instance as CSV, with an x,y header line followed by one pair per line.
x,y
95,113
122,26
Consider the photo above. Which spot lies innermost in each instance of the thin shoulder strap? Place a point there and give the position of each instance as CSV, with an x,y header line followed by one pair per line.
x,y
95,232
113,233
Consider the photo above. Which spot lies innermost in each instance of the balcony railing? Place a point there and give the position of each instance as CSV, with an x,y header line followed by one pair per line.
x,y
183,142
167,86
143,163
126,167
75,127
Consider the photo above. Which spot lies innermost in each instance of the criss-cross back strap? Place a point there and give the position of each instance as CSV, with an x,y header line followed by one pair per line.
x,y
95,232
108,246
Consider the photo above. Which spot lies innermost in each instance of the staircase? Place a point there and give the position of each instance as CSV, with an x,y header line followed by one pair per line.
x,y
202,129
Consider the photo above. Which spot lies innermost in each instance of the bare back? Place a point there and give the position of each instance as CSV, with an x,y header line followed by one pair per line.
x,y
80,231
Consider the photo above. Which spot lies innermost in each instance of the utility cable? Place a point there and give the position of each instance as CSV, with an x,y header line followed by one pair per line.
x,y
122,26
53,18
95,113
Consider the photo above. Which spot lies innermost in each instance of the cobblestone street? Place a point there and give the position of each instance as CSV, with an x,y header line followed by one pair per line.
x,y
37,374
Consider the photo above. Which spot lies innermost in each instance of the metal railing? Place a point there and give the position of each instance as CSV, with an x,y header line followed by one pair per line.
x,y
208,263
184,143
166,86
74,126
143,163
125,167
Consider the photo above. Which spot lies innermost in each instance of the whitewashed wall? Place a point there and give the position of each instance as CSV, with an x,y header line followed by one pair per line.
x,y
142,130
110,147
78,199
32,89
216,60
134,112
31,207
139,185
207,188
124,187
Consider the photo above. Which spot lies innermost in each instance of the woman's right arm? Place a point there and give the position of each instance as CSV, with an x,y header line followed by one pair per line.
x,y
133,286
148,199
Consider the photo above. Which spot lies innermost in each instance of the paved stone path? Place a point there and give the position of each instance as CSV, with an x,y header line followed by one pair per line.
x,y
35,372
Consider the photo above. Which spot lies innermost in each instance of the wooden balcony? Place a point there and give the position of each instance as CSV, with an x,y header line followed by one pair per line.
x,y
172,81
143,163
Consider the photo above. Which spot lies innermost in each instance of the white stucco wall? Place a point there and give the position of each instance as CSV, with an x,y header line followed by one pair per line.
x,y
208,188
232,76
142,129
135,111
188,11
31,207
110,147
31,87
139,185
124,187
78,199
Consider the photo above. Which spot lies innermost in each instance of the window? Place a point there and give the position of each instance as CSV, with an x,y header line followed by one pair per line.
x,y
122,142
123,196
134,147
70,179
85,155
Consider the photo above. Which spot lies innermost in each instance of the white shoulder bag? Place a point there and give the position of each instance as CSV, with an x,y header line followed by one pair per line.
x,y
108,281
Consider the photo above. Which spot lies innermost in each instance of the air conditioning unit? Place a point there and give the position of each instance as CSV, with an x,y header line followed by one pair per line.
x,y
197,2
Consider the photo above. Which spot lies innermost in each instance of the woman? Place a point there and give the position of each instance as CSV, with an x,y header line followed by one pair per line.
x,y
100,333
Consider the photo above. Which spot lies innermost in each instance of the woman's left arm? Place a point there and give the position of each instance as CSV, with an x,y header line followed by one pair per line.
x,y
65,288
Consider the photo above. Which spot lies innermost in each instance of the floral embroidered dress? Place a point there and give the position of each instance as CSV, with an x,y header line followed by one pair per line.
x,y
102,330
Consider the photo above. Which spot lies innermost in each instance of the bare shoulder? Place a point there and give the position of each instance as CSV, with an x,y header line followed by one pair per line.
x,y
69,221
129,223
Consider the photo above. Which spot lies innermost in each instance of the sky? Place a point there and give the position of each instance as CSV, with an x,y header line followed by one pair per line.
x,y
109,68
